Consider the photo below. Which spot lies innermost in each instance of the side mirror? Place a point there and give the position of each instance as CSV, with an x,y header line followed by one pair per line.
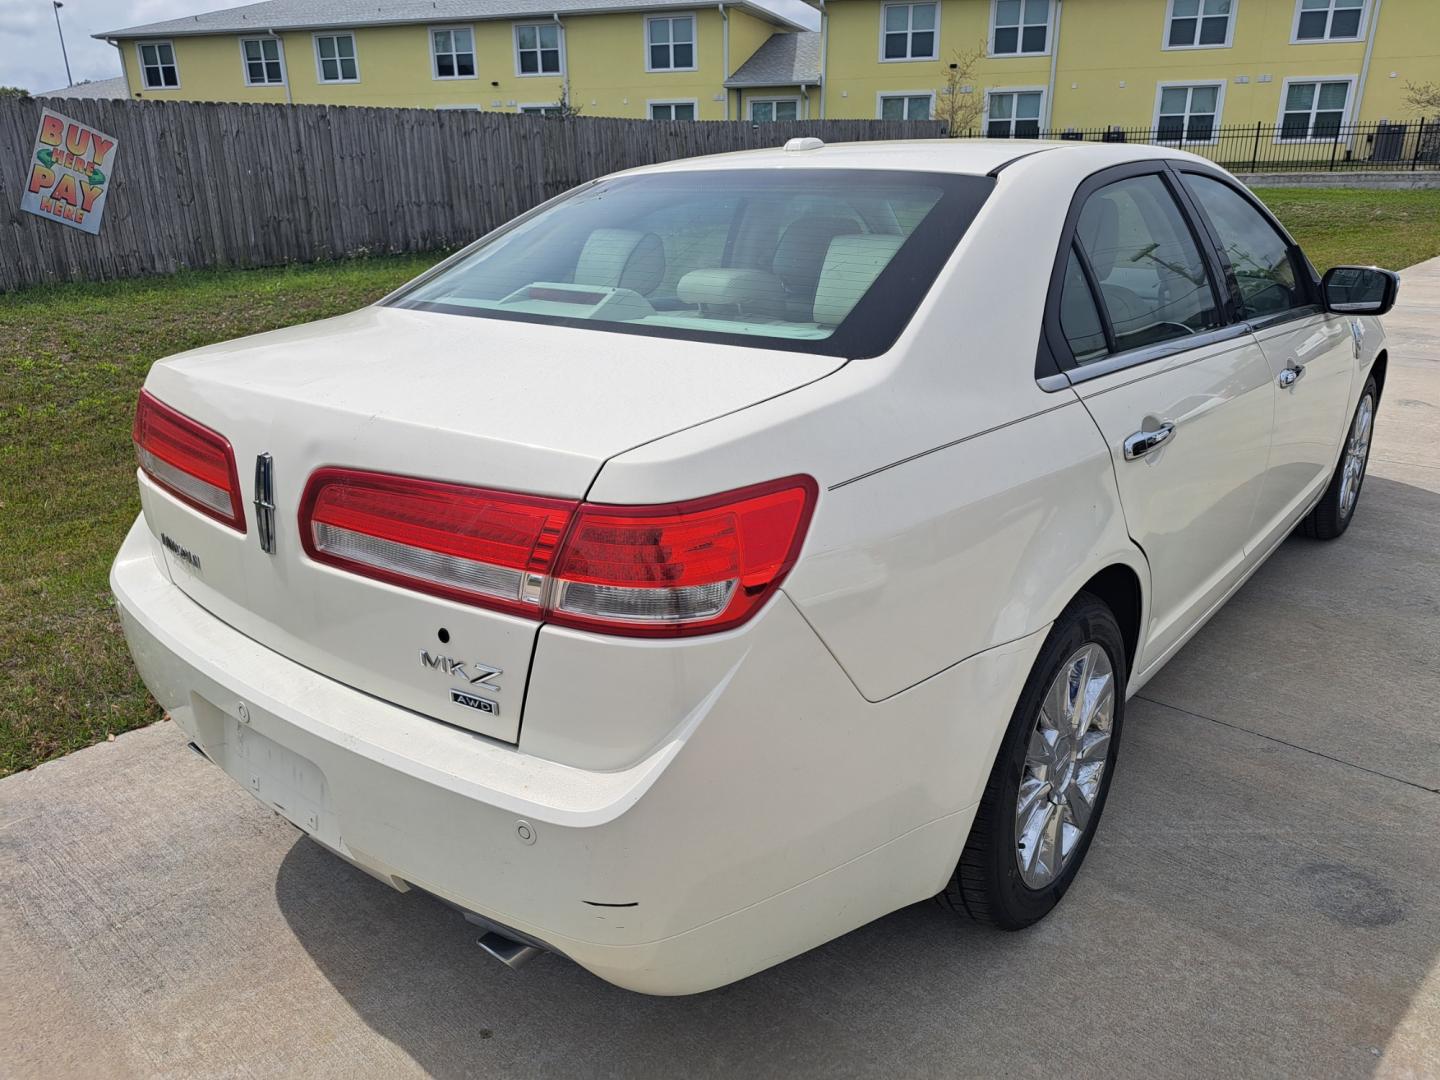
x,y
1359,290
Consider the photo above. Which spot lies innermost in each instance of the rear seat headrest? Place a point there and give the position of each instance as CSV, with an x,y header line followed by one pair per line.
x,y
851,266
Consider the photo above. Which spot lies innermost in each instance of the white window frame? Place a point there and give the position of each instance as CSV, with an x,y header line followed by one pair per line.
x,y
536,108
1296,39
651,103
750,104
1353,80
910,33
694,45
991,91
1229,42
883,94
245,61
140,59
1020,53
320,67
1190,84
515,38
430,32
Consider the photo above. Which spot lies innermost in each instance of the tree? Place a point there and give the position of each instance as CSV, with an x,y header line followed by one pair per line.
x,y
564,108
1424,98
958,103
14,91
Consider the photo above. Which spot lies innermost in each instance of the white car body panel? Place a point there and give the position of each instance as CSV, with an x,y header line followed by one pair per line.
x,y
701,808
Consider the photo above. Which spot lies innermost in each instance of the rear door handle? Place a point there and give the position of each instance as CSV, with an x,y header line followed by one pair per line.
x,y
1291,375
1142,442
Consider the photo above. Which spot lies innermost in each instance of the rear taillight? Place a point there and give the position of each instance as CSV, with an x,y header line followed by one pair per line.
x,y
189,460
684,568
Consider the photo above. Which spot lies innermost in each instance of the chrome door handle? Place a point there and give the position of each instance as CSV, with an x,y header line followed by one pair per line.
x,y
1142,442
1291,375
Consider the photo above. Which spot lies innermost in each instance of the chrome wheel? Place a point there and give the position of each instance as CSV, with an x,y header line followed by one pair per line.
x,y
1064,763
1357,451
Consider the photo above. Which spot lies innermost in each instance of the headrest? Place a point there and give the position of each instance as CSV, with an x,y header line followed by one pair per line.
x,y
802,248
622,259
1099,231
851,266
750,292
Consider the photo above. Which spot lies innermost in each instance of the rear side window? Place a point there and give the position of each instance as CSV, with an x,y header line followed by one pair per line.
x,y
1153,283
812,260
1079,317
1259,256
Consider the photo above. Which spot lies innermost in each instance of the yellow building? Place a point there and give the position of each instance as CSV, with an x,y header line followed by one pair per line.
x,y
636,58
1187,66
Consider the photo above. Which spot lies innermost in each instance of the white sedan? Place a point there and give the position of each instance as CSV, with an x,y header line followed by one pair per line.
x,y
730,552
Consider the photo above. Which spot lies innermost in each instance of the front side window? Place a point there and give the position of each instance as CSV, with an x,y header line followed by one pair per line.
x,y
262,61
1328,20
1199,23
1314,110
909,32
905,106
335,56
537,49
1188,113
765,111
454,53
1013,114
1021,27
1258,255
670,43
158,70
1153,283
829,261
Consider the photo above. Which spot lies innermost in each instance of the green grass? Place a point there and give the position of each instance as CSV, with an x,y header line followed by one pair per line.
x,y
1393,229
72,358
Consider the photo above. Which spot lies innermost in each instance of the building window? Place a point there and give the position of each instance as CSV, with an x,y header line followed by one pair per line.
x,y
1328,20
552,109
454,51
763,111
537,49
157,65
335,58
672,110
670,43
1013,114
906,106
262,61
1199,24
1314,110
1019,27
1189,113
909,32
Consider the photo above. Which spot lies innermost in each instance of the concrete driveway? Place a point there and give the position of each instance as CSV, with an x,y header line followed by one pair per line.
x,y
1263,898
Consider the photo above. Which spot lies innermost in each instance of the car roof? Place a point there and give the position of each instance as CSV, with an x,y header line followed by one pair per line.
x,y
973,157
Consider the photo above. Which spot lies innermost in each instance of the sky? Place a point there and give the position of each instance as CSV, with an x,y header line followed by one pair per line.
x,y
30,49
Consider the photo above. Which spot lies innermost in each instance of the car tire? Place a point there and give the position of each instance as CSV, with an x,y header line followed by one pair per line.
x,y
991,883
1331,516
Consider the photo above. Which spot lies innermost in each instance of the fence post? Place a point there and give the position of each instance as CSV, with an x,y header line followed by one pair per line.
x,y
1335,148
1255,157
1419,143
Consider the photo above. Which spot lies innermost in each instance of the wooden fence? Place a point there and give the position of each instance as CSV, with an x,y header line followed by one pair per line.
x,y
205,185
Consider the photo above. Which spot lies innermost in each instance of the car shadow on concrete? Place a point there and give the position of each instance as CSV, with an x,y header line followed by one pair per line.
x,y
1259,899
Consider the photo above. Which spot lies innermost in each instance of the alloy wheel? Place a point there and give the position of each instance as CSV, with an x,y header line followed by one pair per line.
x,y
1357,451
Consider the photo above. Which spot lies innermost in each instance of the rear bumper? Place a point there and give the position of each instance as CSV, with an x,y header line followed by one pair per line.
x,y
783,811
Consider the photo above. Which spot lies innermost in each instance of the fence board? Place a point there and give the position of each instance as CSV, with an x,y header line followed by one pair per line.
x,y
217,184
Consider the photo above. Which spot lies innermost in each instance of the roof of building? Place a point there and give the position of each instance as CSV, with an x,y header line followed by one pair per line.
x,y
783,60
346,14
95,88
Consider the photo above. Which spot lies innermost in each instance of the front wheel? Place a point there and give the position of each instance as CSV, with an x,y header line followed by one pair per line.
x,y
1336,507
1044,797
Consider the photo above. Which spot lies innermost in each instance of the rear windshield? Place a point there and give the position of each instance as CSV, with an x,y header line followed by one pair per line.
x,y
818,260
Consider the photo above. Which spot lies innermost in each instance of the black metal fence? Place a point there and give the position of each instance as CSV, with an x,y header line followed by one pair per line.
x,y
1294,147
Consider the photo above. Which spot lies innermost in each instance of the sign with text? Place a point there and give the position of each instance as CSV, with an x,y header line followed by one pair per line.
x,y
70,170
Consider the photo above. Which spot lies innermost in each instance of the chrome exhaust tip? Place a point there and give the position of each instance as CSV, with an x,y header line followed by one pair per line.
x,y
507,950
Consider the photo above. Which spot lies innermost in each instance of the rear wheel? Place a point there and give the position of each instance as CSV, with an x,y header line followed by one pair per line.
x,y
1331,515
1045,794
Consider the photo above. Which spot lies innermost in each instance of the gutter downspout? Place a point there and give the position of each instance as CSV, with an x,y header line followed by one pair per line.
x,y
725,57
124,71
824,51
285,65
1054,63
1365,65
564,59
